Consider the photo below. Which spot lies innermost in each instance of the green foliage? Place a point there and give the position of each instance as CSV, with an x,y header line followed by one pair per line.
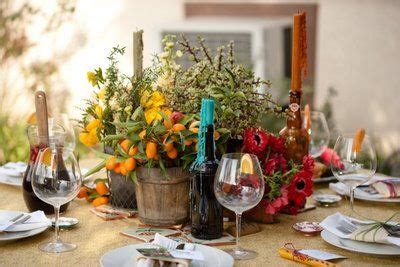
x,y
240,96
14,145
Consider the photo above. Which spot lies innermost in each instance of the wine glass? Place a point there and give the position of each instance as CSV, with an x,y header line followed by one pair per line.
x,y
318,132
353,166
56,180
239,186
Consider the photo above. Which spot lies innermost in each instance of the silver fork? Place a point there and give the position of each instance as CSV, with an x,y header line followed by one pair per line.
x,y
346,227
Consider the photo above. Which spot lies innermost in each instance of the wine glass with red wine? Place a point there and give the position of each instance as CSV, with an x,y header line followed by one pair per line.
x,y
56,180
239,186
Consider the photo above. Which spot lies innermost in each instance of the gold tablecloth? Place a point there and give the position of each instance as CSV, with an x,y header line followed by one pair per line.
x,y
95,236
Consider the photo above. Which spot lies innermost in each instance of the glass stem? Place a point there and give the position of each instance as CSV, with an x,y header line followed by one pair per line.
x,y
57,228
238,228
352,188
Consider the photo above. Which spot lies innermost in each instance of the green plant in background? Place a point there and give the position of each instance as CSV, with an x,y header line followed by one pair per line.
x,y
239,95
14,145
21,77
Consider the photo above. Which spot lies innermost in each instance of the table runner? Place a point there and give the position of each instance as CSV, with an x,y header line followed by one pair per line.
x,y
95,237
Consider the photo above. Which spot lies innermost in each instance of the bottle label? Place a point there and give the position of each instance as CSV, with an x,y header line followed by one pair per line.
x,y
294,107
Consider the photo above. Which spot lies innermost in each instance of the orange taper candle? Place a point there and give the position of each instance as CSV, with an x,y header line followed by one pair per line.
x,y
299,50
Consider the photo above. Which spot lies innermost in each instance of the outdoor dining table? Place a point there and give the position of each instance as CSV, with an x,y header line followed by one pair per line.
x,y
95,236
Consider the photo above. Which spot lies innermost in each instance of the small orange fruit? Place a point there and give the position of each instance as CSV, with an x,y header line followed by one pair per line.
x,y
151,150
169,146
167,124
173,153
130,164
124,171
178,127
217,135
100,201
142,134
83,192
126,145
117,168
101,188
194,130
188,142
110,163
133,151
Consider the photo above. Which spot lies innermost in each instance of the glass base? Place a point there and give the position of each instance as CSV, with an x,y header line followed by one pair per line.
x,y
56,247
241,254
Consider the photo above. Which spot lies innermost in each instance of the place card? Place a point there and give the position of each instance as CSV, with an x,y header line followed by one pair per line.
x,y
321,255
147,234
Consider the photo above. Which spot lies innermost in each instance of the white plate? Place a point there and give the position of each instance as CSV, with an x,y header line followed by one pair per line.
x,y
360,247
8,236
366,198
11,180
126,256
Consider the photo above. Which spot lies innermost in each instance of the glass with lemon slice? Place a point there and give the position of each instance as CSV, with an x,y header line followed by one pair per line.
x,y
239,186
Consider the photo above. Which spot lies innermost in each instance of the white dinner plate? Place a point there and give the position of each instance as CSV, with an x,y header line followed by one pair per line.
x,y
361,247
11,180
126,256
372,199
9,236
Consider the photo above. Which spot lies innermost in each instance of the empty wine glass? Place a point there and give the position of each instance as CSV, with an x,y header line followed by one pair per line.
x,y
239,186
56,181
354,164
318,131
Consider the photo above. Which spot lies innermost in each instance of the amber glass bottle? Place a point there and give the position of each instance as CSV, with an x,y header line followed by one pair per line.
x,y
296,136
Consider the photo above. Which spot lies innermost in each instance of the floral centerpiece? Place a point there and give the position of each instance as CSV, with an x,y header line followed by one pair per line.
x,y
287,184
150,121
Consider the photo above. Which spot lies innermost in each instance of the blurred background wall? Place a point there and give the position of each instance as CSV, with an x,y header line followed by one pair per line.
x,y
355,50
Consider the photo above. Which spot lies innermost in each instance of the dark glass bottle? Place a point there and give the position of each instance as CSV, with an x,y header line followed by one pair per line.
x,y
296,136
206,212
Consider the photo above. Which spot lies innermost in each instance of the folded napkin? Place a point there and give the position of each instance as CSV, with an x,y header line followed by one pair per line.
x,y
378,187
13,169
350,228
37,220
176,254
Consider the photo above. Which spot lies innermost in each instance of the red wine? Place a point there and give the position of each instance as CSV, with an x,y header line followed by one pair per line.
x,y
31,200
206,212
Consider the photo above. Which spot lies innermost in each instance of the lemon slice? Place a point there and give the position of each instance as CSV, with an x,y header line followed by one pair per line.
x,y
246,164
46,157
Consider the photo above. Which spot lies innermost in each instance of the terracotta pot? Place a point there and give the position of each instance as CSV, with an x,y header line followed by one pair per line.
x,y
163,201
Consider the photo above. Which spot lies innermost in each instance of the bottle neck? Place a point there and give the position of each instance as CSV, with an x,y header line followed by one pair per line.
x,y
209,150
294,120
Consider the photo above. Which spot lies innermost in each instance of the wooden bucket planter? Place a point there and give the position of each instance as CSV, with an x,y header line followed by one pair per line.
x,y
163,201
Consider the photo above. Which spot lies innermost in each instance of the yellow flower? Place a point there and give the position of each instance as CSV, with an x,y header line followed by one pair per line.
x,y
102,94
145,100
152,114
90,138
99,111
157,99
93,125
167,111
91,76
